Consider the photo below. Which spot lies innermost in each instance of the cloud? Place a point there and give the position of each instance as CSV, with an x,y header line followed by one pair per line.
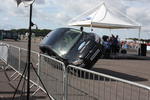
x,y
70,8
9,7
1,10
141,15
40,2
56,13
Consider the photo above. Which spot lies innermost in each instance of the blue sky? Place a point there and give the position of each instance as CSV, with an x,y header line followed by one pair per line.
x,y
52,14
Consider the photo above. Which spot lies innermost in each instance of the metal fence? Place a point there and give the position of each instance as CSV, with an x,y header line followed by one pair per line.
x,y
89,85
4,51
74,83
3,54
34,60
13,57
52,75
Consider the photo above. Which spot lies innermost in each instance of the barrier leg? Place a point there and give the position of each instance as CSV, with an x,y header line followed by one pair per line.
x,y
6,67
2,67
16,77
32,86
65,83
36,91
13,74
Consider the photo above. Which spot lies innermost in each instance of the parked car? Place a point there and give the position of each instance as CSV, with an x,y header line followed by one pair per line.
x,y
72,46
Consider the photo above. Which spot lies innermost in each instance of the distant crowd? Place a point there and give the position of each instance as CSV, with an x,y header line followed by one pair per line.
x,y
110,44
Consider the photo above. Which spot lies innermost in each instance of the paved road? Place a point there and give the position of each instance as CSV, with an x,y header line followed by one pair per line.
x,y
129,69
8,87
23,44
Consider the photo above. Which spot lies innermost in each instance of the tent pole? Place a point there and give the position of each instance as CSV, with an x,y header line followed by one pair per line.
x,y
91,27
139,37
110,31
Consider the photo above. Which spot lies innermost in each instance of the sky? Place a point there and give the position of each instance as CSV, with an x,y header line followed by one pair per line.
x,y
51,14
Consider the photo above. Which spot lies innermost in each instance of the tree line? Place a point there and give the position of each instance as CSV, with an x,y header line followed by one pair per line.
x,y
38,32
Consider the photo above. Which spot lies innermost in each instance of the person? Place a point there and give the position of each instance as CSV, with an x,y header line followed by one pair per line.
x,y
125,46
114,44
117,48
106,46
81,28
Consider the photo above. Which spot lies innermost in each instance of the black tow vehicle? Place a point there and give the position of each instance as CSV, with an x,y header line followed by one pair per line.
x,y
72,46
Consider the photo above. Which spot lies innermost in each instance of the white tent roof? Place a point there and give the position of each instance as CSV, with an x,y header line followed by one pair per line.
x,y
103,17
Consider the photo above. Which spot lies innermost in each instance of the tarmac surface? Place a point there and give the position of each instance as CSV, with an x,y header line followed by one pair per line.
x,y
8,87
130,67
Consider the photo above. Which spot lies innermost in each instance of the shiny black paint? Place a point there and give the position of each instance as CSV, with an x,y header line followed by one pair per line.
x,y
84,53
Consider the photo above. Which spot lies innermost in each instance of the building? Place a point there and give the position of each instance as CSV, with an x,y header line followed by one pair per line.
x,y
8,35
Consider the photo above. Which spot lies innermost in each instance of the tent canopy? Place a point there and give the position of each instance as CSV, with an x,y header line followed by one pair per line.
x,y
103,17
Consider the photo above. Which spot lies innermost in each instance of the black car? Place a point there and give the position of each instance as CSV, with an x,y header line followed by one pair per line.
x,y
72,46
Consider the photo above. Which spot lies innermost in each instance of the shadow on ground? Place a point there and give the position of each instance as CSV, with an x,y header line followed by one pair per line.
x,y
22,98
119,74
129,56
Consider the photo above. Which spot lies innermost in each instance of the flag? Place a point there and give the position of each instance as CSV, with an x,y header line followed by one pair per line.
x,y
25,2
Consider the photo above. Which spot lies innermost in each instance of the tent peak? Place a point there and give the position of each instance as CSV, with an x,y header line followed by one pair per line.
x,y
102,16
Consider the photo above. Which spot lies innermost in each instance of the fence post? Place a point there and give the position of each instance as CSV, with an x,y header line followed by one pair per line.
x,y
19,60
65,82
38,65
7,58
1,58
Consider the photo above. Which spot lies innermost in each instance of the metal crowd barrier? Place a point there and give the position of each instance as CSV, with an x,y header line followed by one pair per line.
x,y
13,59
34,60
71,82
90,85
52,75
3,54
46,67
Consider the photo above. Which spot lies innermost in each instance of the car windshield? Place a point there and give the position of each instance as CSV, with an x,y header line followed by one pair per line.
x,y
62,40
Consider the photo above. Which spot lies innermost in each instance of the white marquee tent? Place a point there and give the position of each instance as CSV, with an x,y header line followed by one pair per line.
x,y
102,16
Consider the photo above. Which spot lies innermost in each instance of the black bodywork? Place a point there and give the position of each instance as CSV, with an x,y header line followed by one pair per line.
x,y
72,46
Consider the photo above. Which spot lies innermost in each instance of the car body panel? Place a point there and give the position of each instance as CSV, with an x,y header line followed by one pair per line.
x,y
81,50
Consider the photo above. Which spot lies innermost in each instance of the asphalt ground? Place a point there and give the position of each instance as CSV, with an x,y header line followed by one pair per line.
x,y
129,67
8,87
